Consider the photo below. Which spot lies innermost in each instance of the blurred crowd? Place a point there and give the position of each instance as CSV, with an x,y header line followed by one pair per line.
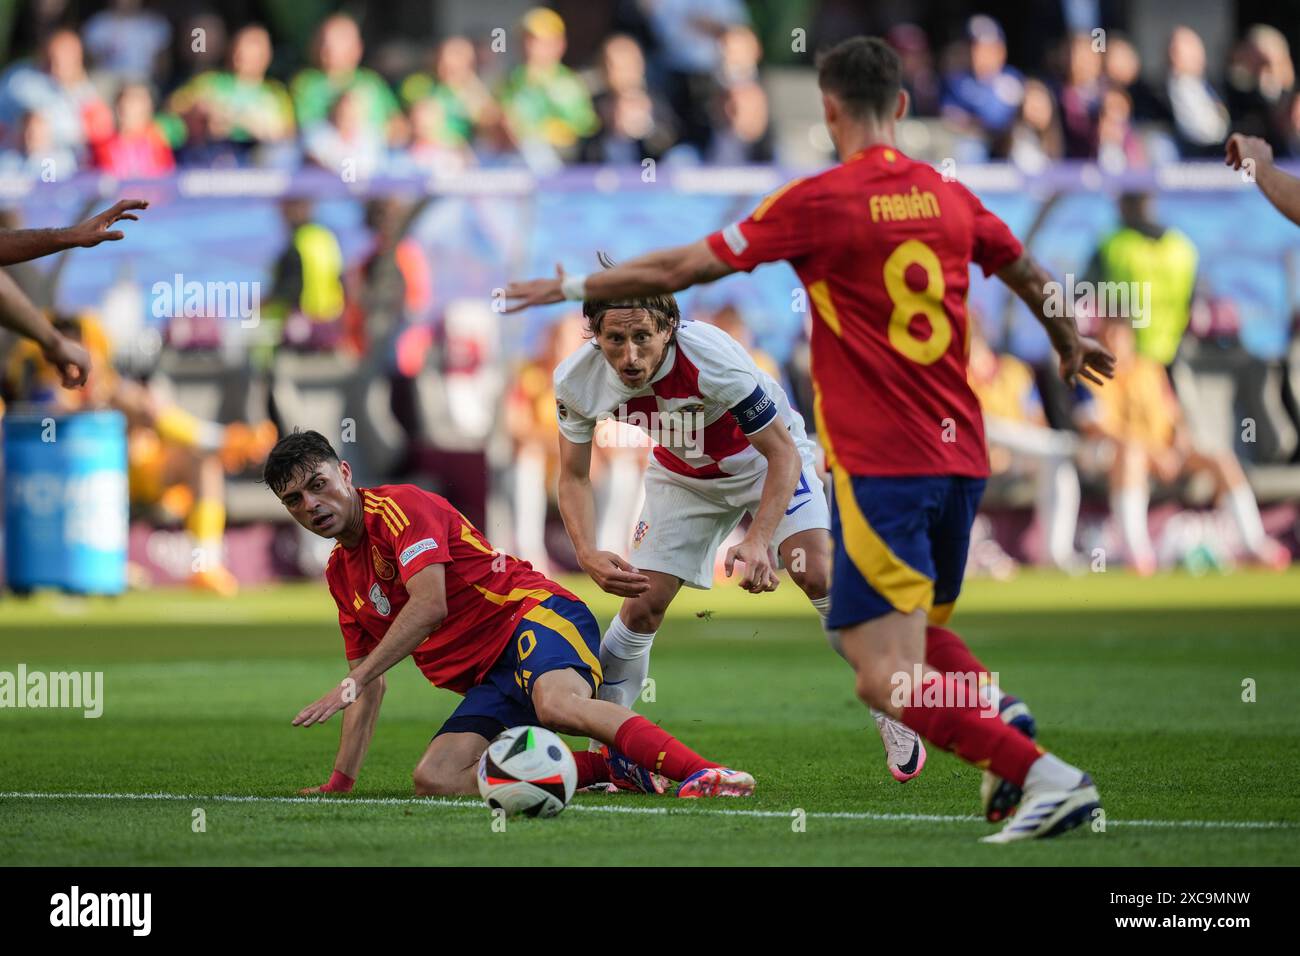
x,y
115,95
1095,101
119,93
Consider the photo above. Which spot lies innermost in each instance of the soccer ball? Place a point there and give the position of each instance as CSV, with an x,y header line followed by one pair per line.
x,y
527,770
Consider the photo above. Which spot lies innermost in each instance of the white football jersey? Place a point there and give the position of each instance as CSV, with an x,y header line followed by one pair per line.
x,y
707,396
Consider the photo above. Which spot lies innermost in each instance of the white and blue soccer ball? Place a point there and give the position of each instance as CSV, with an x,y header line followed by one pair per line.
x,y
527,770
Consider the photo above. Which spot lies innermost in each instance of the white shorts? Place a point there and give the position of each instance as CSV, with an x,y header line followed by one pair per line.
x,y
685,520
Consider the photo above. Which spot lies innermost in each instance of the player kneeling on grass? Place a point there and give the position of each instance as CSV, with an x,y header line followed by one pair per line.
x,y
413,578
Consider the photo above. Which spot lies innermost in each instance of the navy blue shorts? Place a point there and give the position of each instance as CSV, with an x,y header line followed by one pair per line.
x,y
555,635
900,545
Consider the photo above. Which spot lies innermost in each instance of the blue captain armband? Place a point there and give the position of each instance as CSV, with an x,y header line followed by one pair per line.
x,y
755,412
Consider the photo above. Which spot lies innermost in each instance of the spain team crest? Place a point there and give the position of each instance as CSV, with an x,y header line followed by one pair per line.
x,y
384,569
641,528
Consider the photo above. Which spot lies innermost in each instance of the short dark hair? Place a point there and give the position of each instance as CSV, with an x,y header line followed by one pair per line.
x,y
296,454
864,74
663,307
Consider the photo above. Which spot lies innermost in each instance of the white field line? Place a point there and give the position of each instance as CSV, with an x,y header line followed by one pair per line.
x,y
676,810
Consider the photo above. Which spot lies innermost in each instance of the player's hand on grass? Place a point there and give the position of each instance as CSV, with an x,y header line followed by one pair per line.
x,y
532,292
1088,359
338,782
70,358
614,575
329,705
1249,151
760,566
97,229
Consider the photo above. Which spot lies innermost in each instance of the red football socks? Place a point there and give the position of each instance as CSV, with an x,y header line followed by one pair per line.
x,y
658,750
948,654
970,731
592,768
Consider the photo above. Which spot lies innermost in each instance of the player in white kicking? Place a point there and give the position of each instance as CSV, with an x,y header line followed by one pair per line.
x,y
727,443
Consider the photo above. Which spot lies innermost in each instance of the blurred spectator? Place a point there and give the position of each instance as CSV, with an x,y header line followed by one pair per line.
x,y
1016,428
1157,267
635,123
743,133
986,94
346,144
1118,145
739,53
1261,80
176,463
434,149
200,46
57,88
1123,70
689,55
239,108
127,41
1080,97
138,149
317,90
307,282
920,78
1034,140
544,100
1140,426
463,99
1200,118
35,153
390,287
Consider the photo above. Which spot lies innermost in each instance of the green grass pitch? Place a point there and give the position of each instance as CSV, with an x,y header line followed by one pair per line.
x,y
1140,682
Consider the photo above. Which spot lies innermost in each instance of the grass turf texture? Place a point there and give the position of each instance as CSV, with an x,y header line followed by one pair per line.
x,y
1138,681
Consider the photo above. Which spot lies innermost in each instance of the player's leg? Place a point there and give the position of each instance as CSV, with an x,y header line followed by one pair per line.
x,y
449,765
558,670
882,588
948,654
678,533
1130,496
807,556
1237,498
625,649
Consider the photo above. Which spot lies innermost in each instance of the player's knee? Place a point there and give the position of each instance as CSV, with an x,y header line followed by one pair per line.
x,y
643,618
814,580
558,710
434,779
877,679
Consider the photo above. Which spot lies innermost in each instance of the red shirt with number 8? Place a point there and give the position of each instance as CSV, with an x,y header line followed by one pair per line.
x,y
883,245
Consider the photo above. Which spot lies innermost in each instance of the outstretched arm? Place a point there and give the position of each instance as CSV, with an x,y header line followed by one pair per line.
x,y
1281,190
354,739
655,273
424,612
19,315
20,245
1080,356
578,509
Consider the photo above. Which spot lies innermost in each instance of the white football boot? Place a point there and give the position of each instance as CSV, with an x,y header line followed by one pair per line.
x,y
1048,812
904,751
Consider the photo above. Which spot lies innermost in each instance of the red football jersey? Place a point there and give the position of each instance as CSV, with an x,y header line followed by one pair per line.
x,y
407,529
884,245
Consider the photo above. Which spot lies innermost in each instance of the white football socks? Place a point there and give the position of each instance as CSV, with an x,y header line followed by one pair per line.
x,y
1245,514
625,661
1052,773
1129,507
823,608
